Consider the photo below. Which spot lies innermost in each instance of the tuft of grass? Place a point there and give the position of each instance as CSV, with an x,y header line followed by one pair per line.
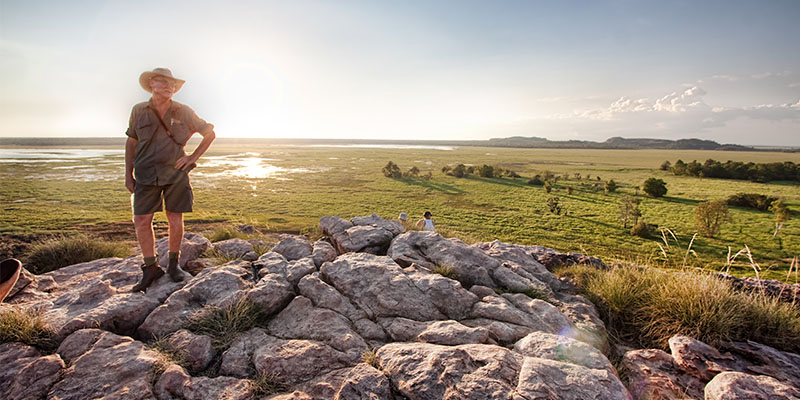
x,y
645,306
26,325
222,324
219,257
445,271
168,353
370,357
261,247
266,384
533,291
60,251
312,232
226,232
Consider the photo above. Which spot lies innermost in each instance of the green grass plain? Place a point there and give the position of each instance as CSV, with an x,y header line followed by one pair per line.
x,y
43,198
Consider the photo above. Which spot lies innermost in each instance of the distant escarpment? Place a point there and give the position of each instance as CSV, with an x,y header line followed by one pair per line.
x,y
367,312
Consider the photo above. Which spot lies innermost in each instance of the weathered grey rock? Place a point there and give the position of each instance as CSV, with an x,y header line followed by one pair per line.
x,y
271,263
323,252
237,359
81,341
326,296
301,320
470,265
371,234
541,378
482,291
196,350
364,382
449,297
192,247
324,387
25,278
583,316
698,358
759,359
532,313
96,294
437,332
552,258
215,287
297,269
234,248
520,260
741,386
193,267
504,333
296,361
428,371
293,247
786,292
25,374
564,349
176,383
271,294
114,367
653,374
379,287
247,229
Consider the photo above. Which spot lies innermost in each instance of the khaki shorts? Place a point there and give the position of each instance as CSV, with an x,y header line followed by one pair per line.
x,y
176,197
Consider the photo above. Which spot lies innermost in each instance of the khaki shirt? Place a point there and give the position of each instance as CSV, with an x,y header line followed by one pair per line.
x,y
156,153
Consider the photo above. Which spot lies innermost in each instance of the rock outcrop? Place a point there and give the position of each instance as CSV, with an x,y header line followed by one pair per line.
x,y
369,312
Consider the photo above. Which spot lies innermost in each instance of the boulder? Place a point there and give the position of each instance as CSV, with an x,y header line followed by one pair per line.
x,y
541,378
234,248
301,320
653,374
437,332
237,359
371,234
564,349
271,293
323,252
364,382
293,247
296,361
192,247
195,350
449,297
176,383
378,287
25,373
113,367
741,386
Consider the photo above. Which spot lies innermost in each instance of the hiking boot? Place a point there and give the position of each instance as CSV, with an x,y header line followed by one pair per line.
x,y
149,274
175,272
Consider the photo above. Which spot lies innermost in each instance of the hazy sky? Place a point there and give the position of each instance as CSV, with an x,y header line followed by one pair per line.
x,y
722,70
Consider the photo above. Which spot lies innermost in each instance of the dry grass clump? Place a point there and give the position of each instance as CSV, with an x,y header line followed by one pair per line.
x,y
646,306
533,291
56,252
266,384
26,325
222,324
445,271
370,357
226,232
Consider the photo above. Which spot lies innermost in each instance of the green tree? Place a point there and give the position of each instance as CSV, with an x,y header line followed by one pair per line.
x,y
391,170
655,187
486,171
709,217
610,186
459,171
554,205
665,166
412,172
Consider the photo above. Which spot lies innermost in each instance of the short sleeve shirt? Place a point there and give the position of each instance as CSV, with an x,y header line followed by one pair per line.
x,y
156,153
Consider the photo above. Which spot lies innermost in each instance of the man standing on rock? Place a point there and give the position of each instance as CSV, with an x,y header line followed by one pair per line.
x,y
157,167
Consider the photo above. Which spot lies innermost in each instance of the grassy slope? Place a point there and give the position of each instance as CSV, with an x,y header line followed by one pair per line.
x,y
348,182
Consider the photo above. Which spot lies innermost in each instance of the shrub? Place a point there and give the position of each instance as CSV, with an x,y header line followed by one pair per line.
x,y
412,172
646,307
665,166
391,170
709,217
459,171
610,186
26,325
486,171
222,324
751,200
641,229
569,189
782,214
655,187
548,187
536,181
51,254
554,205
221,233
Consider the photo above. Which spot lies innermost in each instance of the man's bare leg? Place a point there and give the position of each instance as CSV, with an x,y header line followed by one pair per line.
x,y
147,242
175,221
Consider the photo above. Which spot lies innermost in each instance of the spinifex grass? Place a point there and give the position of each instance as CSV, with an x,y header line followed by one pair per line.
x,y
222,324
646,307
53,253
26,325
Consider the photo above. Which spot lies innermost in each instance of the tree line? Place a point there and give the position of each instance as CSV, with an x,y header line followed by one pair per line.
x,y
764,172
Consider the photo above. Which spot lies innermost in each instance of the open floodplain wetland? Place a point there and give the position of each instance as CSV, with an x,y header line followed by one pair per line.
x,y
282,187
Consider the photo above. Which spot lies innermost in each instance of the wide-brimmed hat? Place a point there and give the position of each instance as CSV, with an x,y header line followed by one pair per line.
x,y
144,78
403,216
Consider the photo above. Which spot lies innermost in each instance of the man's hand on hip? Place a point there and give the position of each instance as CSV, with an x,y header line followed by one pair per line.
x,y
130,183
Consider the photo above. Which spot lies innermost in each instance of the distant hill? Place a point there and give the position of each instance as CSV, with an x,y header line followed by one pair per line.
x,y
617,143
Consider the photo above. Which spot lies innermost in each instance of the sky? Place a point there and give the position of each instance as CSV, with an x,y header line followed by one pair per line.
x,y
727,71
